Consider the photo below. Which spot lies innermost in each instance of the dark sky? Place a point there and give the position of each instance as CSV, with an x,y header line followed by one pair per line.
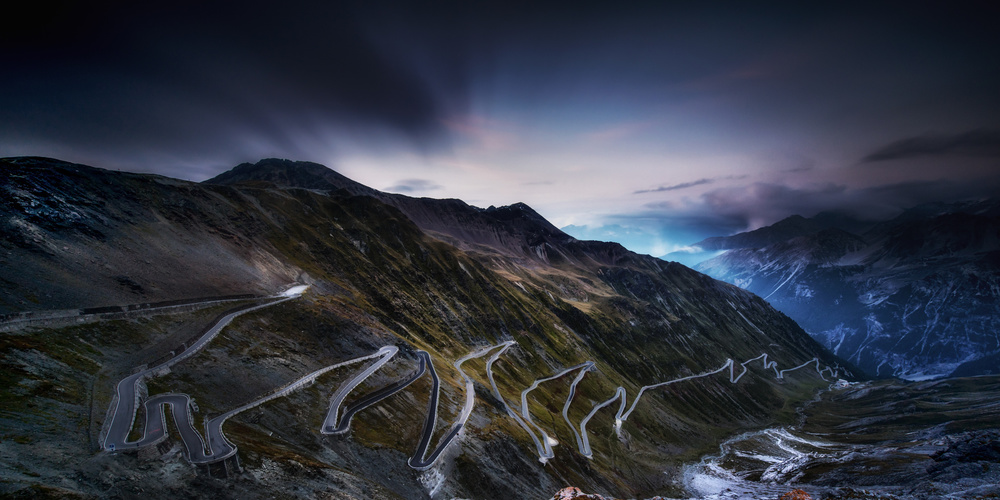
x,y
652,123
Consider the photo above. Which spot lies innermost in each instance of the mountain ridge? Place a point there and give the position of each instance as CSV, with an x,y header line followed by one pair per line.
x,y
501,229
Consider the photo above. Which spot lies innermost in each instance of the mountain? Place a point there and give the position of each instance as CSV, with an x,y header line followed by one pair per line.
x,y
287,173
514,230
112,280
915,297
783,230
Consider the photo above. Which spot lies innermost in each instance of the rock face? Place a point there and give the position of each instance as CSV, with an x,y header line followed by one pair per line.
x,y
434,275
917,296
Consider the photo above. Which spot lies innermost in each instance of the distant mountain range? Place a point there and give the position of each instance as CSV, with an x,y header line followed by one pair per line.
x,y
917,296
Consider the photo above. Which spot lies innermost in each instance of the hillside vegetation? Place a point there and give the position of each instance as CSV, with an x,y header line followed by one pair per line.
x,y
436,275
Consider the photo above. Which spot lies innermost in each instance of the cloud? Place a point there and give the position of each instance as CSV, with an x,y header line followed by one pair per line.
x,y
413,185
689,249
803,168
636,234
979,142
674,187
214,84
775,195
685,185
681,225
729,210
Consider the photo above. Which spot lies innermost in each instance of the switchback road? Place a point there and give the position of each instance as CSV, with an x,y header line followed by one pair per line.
x,y
218,447
126,401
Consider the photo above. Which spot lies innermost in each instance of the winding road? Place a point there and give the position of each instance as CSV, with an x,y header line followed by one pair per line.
x,y
543,447
218,447
621,416
547,441
374,397
126,401
420,460
330,423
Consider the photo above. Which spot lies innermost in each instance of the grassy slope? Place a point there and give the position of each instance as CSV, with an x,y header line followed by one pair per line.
x,y
379,280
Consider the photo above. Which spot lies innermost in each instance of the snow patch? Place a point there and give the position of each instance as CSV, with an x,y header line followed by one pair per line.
x,y
804,291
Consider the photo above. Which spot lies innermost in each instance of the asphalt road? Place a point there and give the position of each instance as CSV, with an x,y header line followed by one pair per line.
x,y
622,415
420,460
127,397
219,447
156,424
417,461
569,400
330,422
376,396
539,446
548,441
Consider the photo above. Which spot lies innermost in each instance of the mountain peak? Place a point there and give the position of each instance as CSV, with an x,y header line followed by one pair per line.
x,y
512,228
789,227
793,225
290,174
515,210
282,164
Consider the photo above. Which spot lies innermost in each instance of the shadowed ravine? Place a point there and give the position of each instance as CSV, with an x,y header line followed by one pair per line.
x,y
218,447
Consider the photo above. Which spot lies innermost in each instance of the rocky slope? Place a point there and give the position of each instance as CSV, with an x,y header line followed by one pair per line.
x,y
917,296
437,275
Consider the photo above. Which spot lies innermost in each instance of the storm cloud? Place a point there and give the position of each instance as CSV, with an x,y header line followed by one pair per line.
x,y
981,142
205,79
761,204
672,119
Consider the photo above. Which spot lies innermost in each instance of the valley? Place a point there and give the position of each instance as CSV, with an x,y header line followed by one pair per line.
x,y
915,440
532,341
